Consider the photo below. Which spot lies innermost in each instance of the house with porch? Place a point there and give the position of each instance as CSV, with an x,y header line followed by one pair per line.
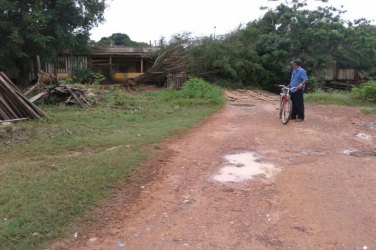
x,y
116,63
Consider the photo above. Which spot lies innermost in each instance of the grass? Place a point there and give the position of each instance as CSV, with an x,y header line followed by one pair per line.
x,y
341,98
56,170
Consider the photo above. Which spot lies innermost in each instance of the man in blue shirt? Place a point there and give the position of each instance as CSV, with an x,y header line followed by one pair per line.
x,y
298,80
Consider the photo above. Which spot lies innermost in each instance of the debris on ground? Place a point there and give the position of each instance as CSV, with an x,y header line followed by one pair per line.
x,y
14,106
57,92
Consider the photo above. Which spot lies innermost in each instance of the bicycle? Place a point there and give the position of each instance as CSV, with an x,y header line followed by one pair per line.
x,y
285,105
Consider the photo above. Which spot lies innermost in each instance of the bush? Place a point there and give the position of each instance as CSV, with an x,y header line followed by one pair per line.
x,y
87,76
197,88
365,92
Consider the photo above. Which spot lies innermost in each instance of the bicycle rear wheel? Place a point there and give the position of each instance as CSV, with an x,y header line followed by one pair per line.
x,y
286,111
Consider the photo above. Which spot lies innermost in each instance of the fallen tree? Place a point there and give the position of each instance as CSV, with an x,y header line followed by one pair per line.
x,y
172,60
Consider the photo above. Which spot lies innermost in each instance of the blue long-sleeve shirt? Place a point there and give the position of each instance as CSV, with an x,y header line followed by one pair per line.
x,y
297,76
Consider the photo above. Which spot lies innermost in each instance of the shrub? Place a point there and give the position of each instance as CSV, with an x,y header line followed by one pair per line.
x,y
365,92
86,75
197,88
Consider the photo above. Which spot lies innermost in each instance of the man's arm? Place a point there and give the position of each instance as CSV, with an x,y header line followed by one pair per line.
x,y
301,84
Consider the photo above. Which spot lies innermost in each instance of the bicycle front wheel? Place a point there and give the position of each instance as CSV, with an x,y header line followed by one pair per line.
x,y
286,111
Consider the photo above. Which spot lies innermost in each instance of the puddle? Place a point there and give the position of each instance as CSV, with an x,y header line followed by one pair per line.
x,y
245,166
347,152
360,153
363,136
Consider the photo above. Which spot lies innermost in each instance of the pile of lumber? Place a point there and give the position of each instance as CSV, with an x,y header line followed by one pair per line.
x,y
13,104
58,93
171,60
68,95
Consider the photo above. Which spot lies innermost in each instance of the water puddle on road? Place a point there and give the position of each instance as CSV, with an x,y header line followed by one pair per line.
x,y
359,153
245,166
363,136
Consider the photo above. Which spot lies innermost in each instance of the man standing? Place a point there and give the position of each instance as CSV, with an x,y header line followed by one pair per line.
x,y
298,80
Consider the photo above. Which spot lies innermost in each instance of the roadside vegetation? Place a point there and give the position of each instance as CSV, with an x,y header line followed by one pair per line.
x,y
54,171
363,95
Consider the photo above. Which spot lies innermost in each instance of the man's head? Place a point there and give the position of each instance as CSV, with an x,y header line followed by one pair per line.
x,y
296,63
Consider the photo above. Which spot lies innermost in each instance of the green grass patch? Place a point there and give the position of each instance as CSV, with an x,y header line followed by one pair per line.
x,y
56,170
337,98
342,98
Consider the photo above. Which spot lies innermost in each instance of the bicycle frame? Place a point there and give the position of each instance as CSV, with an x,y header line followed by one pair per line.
x,y
285,105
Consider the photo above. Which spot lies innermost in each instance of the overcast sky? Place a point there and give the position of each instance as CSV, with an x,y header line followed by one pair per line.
x,y
149,20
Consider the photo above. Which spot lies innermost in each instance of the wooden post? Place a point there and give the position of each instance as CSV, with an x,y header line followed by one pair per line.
x,y
110,65
142,65
38,64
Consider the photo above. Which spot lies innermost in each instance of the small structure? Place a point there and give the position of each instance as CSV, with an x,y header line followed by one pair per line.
x,y
121,63
341,78
116,63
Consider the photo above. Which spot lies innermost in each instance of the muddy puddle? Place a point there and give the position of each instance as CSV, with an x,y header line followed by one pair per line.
x,y
245,166
363,136
359,153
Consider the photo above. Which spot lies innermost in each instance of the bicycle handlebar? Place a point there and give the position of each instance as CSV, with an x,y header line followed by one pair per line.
x,y
285,87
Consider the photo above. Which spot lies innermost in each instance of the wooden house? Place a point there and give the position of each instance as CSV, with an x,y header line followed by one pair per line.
x,y
116,63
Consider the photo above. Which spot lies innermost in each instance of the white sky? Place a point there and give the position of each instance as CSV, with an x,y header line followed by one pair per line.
x,y
149,20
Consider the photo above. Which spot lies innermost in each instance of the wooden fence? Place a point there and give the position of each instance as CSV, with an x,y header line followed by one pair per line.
x,y
176,81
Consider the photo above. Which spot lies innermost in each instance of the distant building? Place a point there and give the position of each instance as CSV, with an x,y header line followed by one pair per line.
x,y
116,63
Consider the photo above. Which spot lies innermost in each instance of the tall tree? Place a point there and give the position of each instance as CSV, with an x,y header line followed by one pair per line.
x,y
118,39
44,27
260,52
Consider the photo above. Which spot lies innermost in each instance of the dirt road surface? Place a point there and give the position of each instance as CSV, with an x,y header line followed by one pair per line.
x,y
315,189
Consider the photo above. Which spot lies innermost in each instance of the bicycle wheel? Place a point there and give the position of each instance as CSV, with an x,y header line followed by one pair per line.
x,y
286,111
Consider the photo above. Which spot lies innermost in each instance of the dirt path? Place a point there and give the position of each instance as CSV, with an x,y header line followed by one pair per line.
x,y
320,195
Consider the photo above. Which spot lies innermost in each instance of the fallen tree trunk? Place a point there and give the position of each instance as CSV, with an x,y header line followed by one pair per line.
x,y
173,60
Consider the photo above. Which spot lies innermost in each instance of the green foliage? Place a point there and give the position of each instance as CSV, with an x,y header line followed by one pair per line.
x,y
259,54
315,83
343,98
195,92
45,28
82,75
365,92
86,75
118,39
196,88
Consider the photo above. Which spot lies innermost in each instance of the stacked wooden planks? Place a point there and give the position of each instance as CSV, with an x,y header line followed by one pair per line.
x,y
13,104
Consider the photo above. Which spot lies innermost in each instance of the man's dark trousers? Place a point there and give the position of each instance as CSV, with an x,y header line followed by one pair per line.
x,y
297,105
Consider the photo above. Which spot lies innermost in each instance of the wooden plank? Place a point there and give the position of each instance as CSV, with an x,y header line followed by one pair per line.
x,y
30,108
9,81
37,97
17,99
257,95
10,105
32,88
7,111
74,96
14,120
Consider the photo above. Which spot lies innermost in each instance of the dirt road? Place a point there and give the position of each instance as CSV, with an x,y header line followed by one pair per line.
x,y
316,188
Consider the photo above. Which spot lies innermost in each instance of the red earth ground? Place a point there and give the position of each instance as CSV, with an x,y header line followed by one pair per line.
x,y
322,197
